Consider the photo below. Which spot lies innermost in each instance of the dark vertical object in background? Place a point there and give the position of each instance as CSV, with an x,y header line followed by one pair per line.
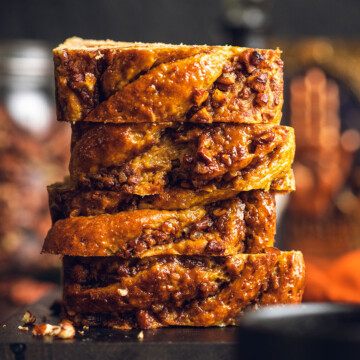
x,y
246,21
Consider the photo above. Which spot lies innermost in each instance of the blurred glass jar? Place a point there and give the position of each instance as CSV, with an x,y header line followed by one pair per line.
x,y
34,152
26,86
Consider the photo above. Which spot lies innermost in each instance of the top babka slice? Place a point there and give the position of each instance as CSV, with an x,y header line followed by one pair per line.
x,y
119,82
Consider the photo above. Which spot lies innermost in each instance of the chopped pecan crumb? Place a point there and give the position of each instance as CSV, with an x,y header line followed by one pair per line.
x,y
23,328
122,292
226,159
145,320
228,68
65,330
227,79
169,227
28,318
256,58
265,138
99,55
214,247
122,177
262,99
247,61
199,96
46,329
133,180
267,117
205,142
258,83
237,153
218,98
202,224
219,211
245,93
202,116
273,83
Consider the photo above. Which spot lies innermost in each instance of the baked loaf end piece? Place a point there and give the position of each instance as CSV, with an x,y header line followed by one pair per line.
x,y
178,290
118,82
245,223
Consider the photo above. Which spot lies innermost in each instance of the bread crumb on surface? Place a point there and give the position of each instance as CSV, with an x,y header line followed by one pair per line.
x,y
28,318
23,328
46,329
65,330
140,335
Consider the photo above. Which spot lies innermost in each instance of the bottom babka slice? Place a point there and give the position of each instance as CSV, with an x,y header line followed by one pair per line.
x,y
177,290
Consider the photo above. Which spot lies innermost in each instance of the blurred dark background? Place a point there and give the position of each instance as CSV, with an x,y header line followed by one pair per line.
x,y
186,21
321,44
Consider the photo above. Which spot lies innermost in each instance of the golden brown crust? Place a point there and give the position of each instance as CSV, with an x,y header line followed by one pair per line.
x,y
244,223
148,159
178,290
132,82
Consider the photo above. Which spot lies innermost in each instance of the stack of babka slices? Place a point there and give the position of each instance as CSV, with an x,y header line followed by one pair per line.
x,y
168,215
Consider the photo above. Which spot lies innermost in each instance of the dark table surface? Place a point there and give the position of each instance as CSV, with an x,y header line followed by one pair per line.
x,y
98,343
